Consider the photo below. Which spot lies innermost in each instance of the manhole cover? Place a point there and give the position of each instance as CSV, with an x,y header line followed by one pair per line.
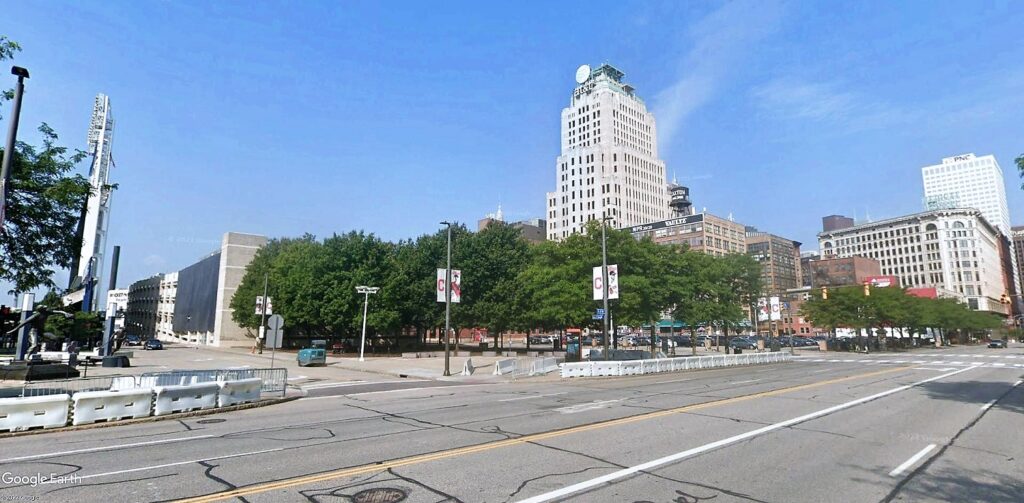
x,y
379,495
210,421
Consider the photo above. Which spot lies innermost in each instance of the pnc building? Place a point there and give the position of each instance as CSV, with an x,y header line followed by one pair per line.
x,y
609,161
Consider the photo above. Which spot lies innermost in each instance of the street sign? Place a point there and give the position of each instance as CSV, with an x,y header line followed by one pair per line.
x,y
259,305
275,322
274,338
600,311
599,314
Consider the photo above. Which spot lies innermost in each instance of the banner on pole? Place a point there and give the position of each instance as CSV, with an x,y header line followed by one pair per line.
x,y
613,281
456,286
762,309
776,309
259,305
440,285
598,284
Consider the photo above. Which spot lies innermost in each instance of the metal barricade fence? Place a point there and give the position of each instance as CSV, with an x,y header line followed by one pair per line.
x,y
70,386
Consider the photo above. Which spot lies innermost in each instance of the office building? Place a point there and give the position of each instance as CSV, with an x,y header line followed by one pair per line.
x,y
609,162
779,258
1018,251
969,181
835,222
701,232
955,250
143,303
193,305
853,270
168,292
805,267
533,230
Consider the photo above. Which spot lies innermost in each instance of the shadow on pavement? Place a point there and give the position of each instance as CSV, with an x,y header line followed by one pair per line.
x,y
977,392
963,485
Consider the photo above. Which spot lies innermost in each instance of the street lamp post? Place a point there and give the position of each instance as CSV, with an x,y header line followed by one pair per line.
x,y
366,291
12,137
448,301
604,283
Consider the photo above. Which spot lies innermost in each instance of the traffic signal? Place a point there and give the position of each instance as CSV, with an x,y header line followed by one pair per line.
x,y
867,289
824,293
1005,299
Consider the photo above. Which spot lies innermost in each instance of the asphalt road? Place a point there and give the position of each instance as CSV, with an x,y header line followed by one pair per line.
x,y
862,428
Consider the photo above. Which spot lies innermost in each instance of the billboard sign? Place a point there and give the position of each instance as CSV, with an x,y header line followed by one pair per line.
x,y
882,281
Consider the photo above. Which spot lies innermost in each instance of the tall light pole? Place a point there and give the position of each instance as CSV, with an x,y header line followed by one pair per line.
x,y
447,301
12,137
604,282
366,291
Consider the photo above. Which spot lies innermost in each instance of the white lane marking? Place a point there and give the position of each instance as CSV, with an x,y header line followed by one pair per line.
x,y
296,378
999,364
913,459
103,448
340,384
943,369
956,363
818,360
1018,383
744,382
833,361
988,405
531,396
457,386
674,380
820,371
583,407
918,361
179,463
587,484
899,361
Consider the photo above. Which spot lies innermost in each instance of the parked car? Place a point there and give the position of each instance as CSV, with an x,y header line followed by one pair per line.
x,y
152,344
133,340
742,343
997,343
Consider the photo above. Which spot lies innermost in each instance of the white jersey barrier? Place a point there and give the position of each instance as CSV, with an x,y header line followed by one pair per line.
x,y
639,367
502,367
543,365
94,406
18,414
170,399
240,391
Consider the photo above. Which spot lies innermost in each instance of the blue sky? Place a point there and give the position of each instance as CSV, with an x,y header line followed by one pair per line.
x,y
289,117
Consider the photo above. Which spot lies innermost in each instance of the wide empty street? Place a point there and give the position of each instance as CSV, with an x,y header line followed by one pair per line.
x,y
929,425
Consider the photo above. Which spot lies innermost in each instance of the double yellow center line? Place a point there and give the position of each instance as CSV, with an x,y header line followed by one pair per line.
x,y
536,437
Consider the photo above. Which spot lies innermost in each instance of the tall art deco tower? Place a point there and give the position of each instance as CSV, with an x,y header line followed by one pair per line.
x,y
609,161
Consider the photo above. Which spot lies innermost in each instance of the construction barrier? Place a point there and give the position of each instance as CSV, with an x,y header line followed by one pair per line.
x,y
95,406
543,365
18,414
502,367
467,368
653,366
240,391
170,399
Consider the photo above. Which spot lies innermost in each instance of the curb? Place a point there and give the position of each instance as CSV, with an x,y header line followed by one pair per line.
x,y
152,419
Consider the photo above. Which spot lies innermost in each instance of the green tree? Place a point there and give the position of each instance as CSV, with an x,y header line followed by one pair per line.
x,y
1020,167
44,203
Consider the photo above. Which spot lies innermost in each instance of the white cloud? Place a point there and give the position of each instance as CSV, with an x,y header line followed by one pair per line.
x,y
720,41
